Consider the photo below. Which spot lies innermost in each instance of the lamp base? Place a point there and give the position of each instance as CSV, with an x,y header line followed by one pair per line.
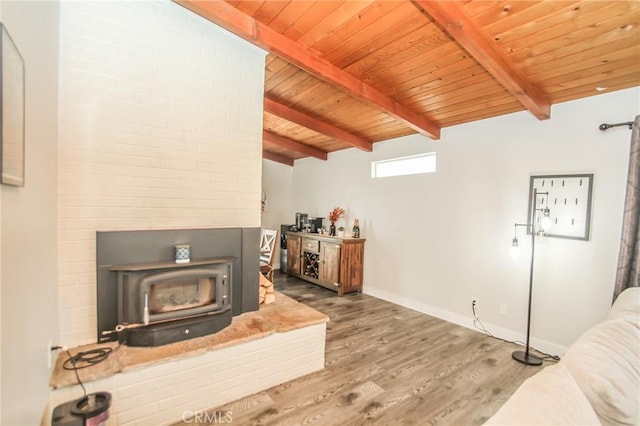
x,y
522,357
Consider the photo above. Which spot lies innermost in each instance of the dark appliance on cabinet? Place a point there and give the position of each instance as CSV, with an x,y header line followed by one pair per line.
x,y
283,245
302,219
316,224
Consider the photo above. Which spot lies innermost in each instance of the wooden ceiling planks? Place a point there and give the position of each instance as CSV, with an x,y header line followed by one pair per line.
x,y
405,58
602,45
372,31
454,19
288,15
581,42
613,84
270,9
547,47
332,23
443,76
594,76
620,58
562,48
321,99
479,89
507,21
293,145
305,23
293,131
311,122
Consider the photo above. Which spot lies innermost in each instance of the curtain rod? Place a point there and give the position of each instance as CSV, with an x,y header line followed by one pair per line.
x,y
605,126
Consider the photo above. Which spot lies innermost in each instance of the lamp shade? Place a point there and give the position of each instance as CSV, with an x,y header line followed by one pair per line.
x,y
515,249
545,223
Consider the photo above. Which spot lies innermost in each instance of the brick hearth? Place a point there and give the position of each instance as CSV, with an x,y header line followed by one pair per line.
x,y
279,342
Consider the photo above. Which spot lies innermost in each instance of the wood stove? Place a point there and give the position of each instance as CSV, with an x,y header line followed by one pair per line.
x,y
145,298
155,299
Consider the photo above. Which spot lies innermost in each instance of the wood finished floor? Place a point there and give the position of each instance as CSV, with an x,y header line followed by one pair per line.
x,y
387,365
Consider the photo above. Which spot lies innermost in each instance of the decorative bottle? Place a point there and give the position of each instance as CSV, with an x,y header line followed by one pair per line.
x,y
356,229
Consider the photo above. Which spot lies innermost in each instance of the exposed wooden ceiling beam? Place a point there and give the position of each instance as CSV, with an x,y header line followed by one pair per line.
x,y
244,26
277,158
452,17
293,145
276,108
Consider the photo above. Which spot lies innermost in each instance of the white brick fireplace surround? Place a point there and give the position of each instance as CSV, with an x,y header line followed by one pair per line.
x,y
160,128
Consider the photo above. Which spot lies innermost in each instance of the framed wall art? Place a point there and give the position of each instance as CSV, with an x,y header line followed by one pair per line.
x,y
12,111
568,198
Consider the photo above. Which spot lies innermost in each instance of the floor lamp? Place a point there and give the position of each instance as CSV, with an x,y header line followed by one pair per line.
x,y
524,356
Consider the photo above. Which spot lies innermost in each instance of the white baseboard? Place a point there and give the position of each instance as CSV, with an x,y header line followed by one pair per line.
x,y
465,321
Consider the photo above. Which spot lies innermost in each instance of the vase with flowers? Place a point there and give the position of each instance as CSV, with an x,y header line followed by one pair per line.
x,y
334,216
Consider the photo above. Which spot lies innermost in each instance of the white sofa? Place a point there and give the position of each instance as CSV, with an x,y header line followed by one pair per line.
x,y
596,382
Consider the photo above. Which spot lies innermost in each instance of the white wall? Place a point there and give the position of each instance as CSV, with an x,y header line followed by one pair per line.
x,y
1,278
160,127
28,240
436,242
276,184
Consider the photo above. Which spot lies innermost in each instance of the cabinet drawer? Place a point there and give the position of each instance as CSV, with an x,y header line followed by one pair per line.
x,y
311,246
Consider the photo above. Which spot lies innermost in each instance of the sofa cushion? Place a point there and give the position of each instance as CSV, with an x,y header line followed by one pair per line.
x,y
551,397
605,363
627,305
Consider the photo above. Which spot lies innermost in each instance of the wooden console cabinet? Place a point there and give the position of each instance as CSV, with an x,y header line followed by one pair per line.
x,y
332,262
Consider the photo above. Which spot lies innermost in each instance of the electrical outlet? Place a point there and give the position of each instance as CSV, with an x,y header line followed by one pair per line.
x,y
49,354
503,308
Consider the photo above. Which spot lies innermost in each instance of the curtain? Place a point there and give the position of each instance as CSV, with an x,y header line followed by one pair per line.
x,y
628,273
